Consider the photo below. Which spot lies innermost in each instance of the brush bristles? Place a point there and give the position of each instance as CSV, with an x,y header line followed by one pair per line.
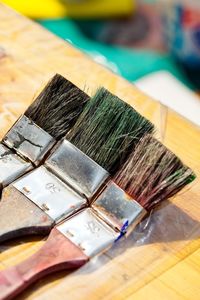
x,y
153,173
57,107
107,130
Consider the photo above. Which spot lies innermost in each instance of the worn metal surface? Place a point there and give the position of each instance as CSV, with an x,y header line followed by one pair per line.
x,y
48,192
11,166
118,209
88,232
29,140
77,169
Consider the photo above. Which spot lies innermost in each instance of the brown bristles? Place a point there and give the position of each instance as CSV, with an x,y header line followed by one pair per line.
x,y
57,107
153,173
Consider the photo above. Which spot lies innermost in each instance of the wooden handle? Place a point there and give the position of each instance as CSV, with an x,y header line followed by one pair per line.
x,y
19,216
58,253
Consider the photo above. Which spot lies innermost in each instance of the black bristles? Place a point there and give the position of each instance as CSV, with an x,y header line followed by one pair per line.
x,y
107,130
153,173
57,107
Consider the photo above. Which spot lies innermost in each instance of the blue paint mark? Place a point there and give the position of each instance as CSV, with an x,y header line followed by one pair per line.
x,y
123,231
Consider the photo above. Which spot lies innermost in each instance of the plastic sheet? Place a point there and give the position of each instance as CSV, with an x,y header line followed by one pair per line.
x,y
156,244
159,242
165,237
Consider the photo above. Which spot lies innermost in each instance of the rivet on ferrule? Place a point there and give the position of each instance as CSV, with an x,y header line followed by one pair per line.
x,y
88,232
111,216
50,193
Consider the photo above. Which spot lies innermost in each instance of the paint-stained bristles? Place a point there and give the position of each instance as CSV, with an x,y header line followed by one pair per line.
x,y
57,107
107,130
153,173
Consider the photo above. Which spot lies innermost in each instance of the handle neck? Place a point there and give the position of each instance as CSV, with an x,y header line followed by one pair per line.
x,y
58,253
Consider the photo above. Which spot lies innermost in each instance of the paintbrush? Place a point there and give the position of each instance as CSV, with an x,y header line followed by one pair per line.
x,y
150,175
96,147
46,120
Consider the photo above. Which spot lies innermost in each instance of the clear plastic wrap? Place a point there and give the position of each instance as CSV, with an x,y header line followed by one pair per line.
x,y
167,236
159,242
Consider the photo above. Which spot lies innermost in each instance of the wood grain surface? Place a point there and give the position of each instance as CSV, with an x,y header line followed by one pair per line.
x,y
161,259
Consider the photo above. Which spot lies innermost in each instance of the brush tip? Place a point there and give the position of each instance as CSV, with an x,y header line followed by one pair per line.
x,y
153,173
107,129
58,106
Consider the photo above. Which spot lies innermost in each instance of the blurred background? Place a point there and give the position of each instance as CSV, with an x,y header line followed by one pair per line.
x,y
151,43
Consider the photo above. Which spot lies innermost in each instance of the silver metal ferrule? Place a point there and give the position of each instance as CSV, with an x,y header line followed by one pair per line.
x,y
112,215
11,166
88,232
48,192
29,140
118,209
76,169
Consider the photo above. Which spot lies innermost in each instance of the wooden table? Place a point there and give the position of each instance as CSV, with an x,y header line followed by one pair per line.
x,y
160,260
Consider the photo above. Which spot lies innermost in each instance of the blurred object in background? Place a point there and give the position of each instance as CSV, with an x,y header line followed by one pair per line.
x,y
42,9
131,46
131,63
141,30
131,37
165,88
182,33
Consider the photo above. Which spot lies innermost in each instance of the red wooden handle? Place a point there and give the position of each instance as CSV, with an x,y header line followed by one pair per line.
x,y
58,253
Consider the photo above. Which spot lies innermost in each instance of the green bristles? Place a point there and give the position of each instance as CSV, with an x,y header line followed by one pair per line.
x,y
153,173
107,129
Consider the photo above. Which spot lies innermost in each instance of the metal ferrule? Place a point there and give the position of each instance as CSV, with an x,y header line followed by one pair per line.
x,y
50,193
112,215
95,229
118,209
29,140
88,232
76,169
11,166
